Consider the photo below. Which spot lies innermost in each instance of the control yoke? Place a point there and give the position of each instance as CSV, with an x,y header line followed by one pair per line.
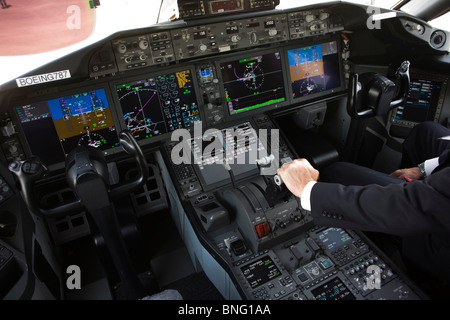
x,y
87,175
371,94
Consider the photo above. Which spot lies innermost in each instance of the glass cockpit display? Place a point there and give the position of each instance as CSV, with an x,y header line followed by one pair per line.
x,y
314,69
421,103
158,105
253,82
55,127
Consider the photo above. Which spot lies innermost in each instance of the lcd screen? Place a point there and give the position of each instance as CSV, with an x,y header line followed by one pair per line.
x,y
55,127
333,238
253,82
334,289
259,272
421,103
314,69
158,105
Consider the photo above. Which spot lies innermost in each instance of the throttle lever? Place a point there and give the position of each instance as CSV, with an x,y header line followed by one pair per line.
x,y
276,178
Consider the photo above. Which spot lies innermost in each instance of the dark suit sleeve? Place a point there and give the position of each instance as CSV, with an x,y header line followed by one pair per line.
x,y
405,209
444,158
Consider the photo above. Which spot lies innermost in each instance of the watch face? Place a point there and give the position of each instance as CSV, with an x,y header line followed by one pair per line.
x,y
422,169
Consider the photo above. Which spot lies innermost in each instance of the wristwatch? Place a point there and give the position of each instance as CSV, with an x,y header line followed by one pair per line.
x,y
422,169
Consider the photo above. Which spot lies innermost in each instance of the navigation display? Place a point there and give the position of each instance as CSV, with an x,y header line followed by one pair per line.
x,y
314,69
154,106
55,127
253,82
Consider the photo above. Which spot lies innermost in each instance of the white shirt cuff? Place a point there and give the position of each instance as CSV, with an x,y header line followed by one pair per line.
x,y
430,165
305,200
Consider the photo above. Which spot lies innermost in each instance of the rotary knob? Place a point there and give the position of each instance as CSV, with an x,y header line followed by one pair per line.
x,y
324,15
203,47
121,48
143,44
273,32
310,18
253,37
235,38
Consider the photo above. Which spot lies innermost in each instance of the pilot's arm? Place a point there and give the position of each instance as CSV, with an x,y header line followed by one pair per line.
x,y
401,209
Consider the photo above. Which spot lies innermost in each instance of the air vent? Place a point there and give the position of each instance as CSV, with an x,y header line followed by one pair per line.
x,y
438,39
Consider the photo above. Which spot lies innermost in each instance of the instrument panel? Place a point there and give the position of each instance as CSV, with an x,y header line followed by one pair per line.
x,y
206,78
151,105
205,39
208,72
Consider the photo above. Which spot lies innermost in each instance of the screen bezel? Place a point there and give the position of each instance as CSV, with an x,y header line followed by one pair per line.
x,y
260,268
419,75
248,54
327,92
154,73
57,95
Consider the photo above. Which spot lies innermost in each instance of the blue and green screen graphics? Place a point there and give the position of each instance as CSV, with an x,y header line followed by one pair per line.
x,y
314,69
253,82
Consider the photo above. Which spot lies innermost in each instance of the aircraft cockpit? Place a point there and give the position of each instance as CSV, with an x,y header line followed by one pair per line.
x,y
147,164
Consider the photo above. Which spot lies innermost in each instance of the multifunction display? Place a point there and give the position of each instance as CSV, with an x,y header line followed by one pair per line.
x,y
55,127
253,82
261,271
158,105
314,69
421,103
333,238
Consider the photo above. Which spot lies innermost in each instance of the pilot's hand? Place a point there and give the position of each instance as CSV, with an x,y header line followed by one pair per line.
x,y
408,174
297,174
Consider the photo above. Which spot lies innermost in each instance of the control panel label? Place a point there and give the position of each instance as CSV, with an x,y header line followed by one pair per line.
x,y
43,78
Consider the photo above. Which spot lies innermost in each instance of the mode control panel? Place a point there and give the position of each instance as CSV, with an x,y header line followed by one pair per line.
x,y
226,36
141,51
